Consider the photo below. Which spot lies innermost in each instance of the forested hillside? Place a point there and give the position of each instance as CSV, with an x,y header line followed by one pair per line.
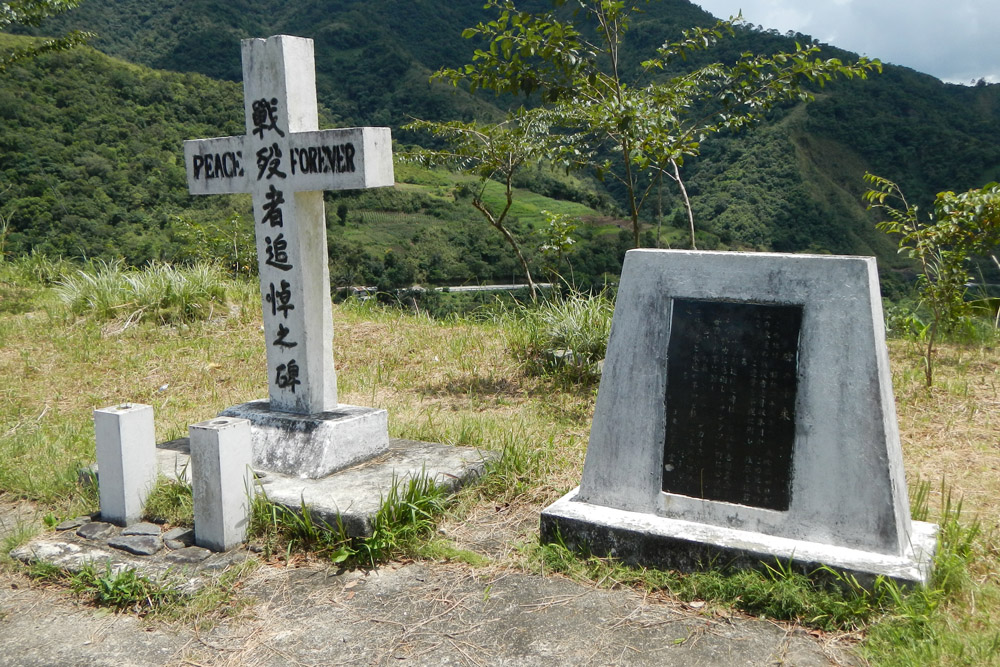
x,y
90,160
91,167
77,172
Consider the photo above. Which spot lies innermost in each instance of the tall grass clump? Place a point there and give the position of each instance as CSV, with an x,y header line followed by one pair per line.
x,y
23,279
33,270
565,336
170,501
160,292
409,513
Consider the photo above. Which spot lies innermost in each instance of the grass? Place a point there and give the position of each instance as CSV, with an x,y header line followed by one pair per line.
x,y
408,513
922,621
566,336
126,590
162,292
170,501
461,381
122,590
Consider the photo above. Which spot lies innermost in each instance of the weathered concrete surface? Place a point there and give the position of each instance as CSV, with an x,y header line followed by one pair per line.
x,y
845,481
357,493
645,539
424,613
313,445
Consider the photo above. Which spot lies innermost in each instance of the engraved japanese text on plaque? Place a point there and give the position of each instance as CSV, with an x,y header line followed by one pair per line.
x,y
732,373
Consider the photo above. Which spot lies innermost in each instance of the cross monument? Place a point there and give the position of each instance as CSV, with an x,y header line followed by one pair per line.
x,y
285,162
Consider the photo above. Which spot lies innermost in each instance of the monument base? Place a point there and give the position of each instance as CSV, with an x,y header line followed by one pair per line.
x,y
313,446
646,539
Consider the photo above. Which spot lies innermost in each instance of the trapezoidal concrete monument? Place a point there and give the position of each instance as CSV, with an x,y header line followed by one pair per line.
x,y
745,413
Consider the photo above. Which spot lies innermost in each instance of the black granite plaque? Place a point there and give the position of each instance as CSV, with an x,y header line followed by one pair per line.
x,y
732,376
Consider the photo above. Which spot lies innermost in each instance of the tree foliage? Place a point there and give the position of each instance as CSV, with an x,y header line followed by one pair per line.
x,y
633,127
491,151
959,227
90,147
32,13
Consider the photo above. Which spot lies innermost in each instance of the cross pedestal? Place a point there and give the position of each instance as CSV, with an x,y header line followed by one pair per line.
x,y
285,162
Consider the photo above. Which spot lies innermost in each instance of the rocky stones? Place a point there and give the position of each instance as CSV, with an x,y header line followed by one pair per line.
x,y
188,555
178,538
166,557
143,528
96,530
70,524
140,545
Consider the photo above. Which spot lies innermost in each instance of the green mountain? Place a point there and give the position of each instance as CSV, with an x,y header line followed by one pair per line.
x,y
91,166
792,184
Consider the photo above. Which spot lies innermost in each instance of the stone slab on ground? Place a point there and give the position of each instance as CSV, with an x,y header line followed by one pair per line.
x,y
357,493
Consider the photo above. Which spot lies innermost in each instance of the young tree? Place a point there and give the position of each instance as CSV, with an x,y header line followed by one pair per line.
x,y
960,227
32,13
494,153
557,245
634,132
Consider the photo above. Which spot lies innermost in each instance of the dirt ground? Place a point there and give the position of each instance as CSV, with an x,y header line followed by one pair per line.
x,y
422,613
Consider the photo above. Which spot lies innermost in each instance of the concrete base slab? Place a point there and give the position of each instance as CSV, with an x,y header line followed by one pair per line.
x,y
313,446
654,541
355,494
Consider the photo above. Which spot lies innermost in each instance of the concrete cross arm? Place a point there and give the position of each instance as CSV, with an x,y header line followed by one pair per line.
x,y
338,159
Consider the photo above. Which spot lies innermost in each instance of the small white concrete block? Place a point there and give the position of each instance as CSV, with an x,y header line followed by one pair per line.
x,y
126,458
222,483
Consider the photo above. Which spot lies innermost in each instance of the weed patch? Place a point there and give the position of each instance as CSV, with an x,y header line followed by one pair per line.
x,y
170,501
124,590
407,514
565,336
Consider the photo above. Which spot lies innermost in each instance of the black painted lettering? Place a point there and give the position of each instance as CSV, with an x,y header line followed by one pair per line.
x,y
198,162
340,159
293,152
331,160
231,164
312,159
210,166
321,165
349,157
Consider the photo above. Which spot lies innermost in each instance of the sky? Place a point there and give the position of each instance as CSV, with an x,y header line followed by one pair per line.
x,y
955,40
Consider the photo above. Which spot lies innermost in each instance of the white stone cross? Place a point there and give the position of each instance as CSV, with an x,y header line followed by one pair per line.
x,y
285,162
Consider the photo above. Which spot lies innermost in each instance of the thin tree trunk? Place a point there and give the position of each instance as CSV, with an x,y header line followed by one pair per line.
x,y
687,202
498,224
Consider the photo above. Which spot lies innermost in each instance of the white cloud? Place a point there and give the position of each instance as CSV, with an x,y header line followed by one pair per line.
x,y
954,40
